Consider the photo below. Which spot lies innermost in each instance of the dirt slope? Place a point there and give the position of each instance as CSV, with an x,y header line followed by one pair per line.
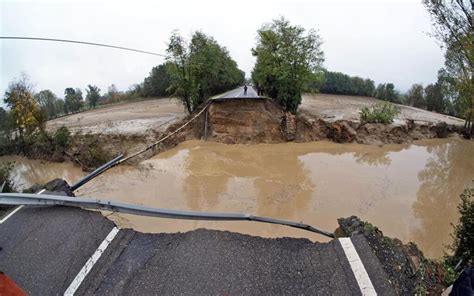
x,y
133,118
337,107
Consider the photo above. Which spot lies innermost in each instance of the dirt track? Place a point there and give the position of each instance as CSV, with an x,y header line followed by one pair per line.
x,y
127,118
337,107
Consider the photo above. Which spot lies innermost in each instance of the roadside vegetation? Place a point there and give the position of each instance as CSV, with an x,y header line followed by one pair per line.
x,y
5,177
5,185
379,113
462,250
22,129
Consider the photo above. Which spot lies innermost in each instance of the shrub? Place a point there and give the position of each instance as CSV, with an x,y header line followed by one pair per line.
x,y
379,113
62,137
463,235
5,178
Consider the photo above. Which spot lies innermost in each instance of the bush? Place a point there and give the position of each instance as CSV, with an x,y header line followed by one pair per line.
x,y
5,170
463,235
379,113
62,137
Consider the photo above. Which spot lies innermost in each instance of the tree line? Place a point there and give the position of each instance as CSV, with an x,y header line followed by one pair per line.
x,y
342,84
289,61
194,70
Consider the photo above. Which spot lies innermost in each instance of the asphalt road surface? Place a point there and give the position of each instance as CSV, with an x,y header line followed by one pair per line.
x,y
239,93
45,249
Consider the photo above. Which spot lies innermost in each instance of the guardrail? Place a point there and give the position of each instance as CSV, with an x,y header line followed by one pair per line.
x,y
108,205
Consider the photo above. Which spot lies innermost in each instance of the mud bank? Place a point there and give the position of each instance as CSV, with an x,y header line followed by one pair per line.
x,y
260,120
311,128
407,268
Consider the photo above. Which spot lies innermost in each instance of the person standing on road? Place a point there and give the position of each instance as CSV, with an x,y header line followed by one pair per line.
x,y
245,90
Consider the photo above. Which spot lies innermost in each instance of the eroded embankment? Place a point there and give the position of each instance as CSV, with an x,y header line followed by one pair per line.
x,y
260,120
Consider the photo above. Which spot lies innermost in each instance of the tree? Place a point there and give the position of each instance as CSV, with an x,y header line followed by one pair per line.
x,y
113,95
93,95
287,58
343,84
337,83
387,92
25,110
46,100
199,69
73,100
415,96
450,94
157,83
59,107
434,98
391,93
5,120
454,27
463,234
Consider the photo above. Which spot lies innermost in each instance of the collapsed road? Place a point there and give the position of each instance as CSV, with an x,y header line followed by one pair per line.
x,y
66,250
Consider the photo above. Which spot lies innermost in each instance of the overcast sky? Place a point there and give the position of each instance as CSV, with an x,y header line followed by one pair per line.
x,y
386,41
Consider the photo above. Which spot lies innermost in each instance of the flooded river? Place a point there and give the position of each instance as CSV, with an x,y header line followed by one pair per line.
x,y
409,191
28,172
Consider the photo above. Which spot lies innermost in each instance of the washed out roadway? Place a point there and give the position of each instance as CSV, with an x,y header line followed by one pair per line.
x,y
44,248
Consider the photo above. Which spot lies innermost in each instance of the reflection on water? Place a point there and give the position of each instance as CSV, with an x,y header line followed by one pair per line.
x,y
409,191
28,172
448,170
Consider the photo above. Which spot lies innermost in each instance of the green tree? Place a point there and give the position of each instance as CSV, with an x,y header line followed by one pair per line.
x,y
4,120
93,95
387,92
157,83
73,100
199,69
337,83
463,235
59,107
343,84
454,27
415,96
25,110
434,98
450,93
287,58
391,93
46,99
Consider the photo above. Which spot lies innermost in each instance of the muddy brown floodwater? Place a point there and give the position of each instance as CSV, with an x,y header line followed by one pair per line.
x,y
28,172
409,191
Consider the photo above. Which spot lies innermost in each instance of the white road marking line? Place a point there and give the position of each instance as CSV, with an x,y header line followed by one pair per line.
x,y
91,262
363,279
11,214
17,209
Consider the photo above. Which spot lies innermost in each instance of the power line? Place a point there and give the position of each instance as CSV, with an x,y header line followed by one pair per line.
x,y
81,42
